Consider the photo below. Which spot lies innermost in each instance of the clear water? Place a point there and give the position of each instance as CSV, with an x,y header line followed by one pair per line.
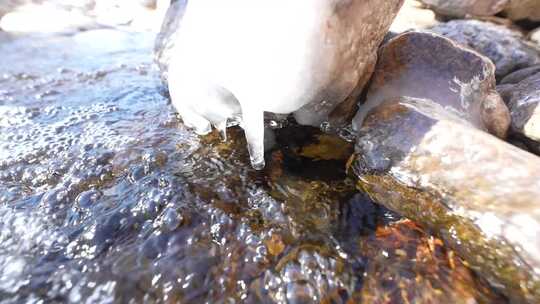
x,y
105,197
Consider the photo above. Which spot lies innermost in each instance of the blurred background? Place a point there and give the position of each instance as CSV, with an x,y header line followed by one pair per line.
x,y
64,16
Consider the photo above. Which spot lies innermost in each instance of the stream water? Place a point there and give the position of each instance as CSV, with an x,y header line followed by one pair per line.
x,y
105,197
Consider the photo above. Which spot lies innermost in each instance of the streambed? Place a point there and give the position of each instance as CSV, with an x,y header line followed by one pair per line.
x,y
105,197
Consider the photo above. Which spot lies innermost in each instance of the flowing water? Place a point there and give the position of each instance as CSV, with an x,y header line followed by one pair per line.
x,y
105,197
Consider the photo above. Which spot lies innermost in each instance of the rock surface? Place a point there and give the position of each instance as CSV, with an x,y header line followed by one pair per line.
x,y
313,62
426,65
512,9
519,75
400,241
507,48
462,8
479,194
523,9
522,95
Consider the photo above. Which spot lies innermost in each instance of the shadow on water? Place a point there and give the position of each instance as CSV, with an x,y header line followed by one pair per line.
x,y
106,197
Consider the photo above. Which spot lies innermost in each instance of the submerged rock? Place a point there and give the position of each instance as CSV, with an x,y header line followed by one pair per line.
x,y
422,283
311,58
507,48
479,194
426,65
462,8
522,95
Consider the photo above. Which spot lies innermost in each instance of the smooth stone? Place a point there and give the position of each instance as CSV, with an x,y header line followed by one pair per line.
x,y
430,66
512,9
522,95
309,58
479,194
507,48
523,10
462,8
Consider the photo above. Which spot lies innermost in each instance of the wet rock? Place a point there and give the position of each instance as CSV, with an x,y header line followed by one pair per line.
x,y
429,272
507,48
462,8
521,91
479,194
226,78
426,65
418,282
519,75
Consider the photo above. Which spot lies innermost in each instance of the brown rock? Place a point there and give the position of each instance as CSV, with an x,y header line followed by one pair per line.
x,y
426,65
338,102
432,273
523,9
479,194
